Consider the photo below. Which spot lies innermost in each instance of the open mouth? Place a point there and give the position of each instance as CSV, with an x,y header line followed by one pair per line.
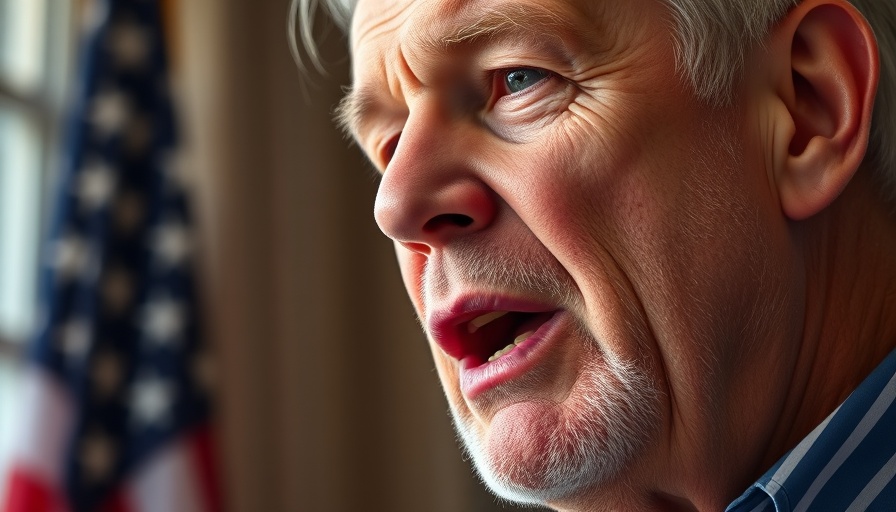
x,y
489,336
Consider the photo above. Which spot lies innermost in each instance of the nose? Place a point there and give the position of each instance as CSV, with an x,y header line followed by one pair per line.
x,y
430,194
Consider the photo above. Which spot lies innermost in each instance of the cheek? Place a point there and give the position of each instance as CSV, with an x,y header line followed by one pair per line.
x,y
597,192
701,261
448,371
651,228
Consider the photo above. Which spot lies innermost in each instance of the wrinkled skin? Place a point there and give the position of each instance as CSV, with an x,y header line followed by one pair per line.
x,y
602,189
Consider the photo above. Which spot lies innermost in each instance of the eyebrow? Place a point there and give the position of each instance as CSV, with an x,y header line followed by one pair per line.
x,y
352,109
531,23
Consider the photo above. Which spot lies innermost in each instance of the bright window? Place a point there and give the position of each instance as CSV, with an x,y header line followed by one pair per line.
x,y
35,54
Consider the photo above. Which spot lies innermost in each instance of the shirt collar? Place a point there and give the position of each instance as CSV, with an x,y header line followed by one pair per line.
x,y
840,458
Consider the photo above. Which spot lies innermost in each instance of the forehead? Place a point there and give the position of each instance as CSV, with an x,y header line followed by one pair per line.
x,y
378,17
435,22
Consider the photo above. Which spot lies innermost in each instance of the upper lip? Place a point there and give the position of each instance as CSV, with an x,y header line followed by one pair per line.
x,y
448,326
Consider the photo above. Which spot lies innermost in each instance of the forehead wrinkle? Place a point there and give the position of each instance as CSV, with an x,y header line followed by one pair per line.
x,y
530,22
389,17
363,103
504,18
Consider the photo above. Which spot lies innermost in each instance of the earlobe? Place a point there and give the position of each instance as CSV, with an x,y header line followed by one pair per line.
x,y
828,91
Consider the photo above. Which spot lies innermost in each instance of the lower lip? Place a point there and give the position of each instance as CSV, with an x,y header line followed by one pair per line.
x,y
475,380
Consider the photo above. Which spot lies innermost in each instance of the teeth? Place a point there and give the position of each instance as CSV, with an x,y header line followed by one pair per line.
x,y
479,322
522,337
502,352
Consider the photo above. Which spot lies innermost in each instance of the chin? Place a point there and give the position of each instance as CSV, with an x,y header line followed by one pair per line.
x,y
541,451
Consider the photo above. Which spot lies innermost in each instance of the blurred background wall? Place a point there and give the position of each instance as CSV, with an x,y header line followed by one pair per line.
x,y
329,398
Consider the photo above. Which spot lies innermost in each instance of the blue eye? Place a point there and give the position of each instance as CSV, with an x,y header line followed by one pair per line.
x,y
520,79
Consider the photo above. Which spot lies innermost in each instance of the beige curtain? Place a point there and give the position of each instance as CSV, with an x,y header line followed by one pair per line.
x,y
329,399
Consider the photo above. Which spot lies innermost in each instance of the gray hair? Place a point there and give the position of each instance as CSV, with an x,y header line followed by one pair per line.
x,y
712,38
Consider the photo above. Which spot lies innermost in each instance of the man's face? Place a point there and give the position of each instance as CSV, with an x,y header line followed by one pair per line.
x,y
587,245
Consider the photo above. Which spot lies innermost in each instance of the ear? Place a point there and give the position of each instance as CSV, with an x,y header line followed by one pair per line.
x,y
825,76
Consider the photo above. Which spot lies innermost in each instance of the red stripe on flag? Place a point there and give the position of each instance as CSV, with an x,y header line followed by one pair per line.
x,y
28,493
116,503
204,454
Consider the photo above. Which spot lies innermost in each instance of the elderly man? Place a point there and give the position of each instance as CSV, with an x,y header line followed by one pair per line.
x,y
651,242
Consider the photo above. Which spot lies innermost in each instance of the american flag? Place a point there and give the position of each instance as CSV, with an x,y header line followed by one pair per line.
x,y
118,382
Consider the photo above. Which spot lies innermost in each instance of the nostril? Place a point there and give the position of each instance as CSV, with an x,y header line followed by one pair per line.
x,y
444,220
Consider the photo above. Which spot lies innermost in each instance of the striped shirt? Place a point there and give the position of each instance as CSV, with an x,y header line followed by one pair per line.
x,y
847,463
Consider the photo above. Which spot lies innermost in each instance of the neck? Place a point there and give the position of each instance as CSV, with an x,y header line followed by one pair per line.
x,y
850,320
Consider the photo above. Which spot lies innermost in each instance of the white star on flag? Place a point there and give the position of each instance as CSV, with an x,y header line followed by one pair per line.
x,y
70,257
175,167
94,15
75,339
109,112
98,456
96,184
151,399
129,45
164,320
172,244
